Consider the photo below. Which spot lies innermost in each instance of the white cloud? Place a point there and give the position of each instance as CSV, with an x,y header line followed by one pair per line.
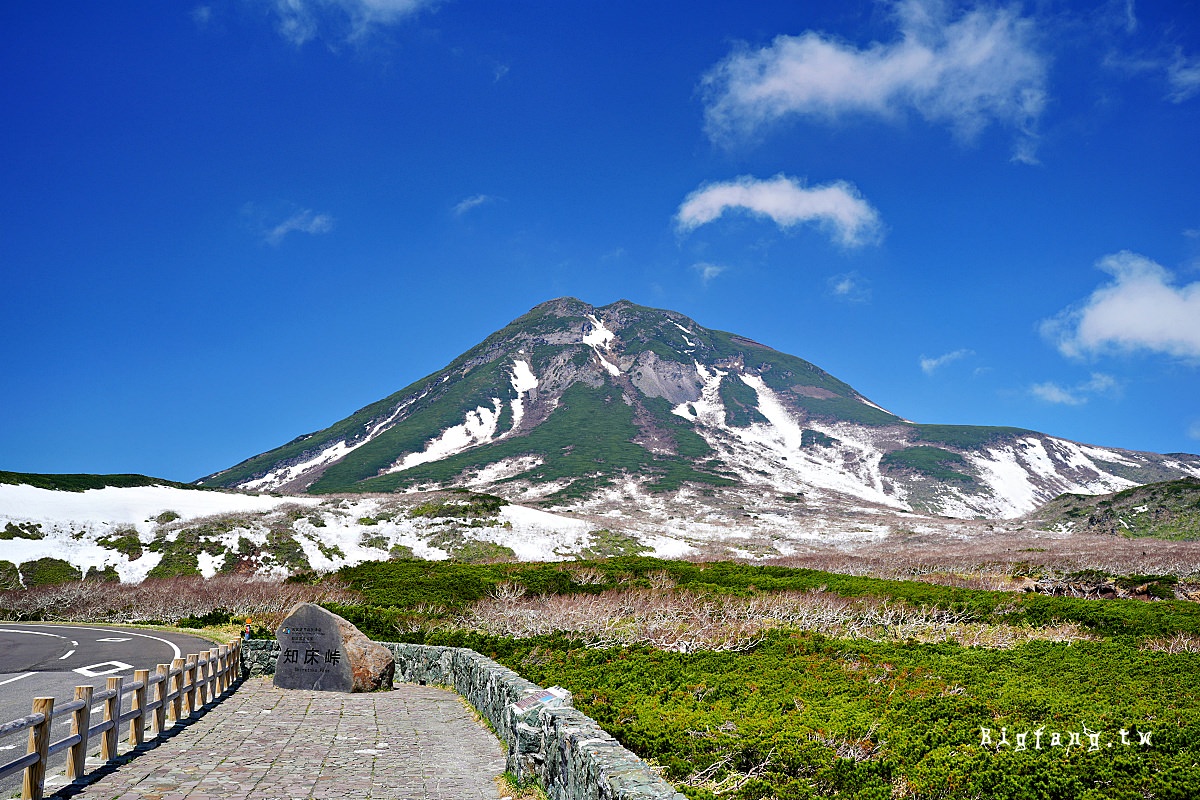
x,y
1193,430
967,72
708,271
849,286
1139,310
1053,393
303,20
931,365
303,221
202,15
1077,395
465,205
837,207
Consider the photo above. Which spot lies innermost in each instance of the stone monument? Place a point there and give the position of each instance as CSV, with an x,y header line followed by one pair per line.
x,y
320,650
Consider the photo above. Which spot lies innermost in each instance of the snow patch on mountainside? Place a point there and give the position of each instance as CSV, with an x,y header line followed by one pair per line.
x,y
334,452
135,505
776,449
523,382
277,477
1023,474
600,338
708,410
478,428
72,521
502,470
686,334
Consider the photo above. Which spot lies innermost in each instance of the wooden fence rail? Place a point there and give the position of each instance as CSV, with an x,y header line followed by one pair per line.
x,y
168,695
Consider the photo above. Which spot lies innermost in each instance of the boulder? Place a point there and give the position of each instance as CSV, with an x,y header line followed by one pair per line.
x,y
320,650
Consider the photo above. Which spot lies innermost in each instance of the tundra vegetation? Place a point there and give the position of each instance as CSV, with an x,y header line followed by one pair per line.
x,y
759,681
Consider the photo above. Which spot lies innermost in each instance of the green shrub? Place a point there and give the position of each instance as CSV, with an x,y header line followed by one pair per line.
x,y
932,461
22,530
477,552
107,575
10,576
47,571
124,540
218,616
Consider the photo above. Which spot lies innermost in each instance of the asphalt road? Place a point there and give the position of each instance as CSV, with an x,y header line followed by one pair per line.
x,y
39,660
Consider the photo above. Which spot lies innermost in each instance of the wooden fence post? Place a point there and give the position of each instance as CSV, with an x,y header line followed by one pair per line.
x,y
203,666
39,742
160,697
112,711
223,654
176,689
214,673
137,725
81,720
189,675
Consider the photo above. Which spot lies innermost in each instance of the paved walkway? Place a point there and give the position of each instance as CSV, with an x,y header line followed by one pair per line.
x,y
263,743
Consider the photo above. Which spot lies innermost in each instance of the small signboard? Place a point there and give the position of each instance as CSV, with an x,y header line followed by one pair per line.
x,y
554,697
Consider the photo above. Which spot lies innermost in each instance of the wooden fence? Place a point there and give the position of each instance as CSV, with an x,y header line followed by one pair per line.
x,y
172,693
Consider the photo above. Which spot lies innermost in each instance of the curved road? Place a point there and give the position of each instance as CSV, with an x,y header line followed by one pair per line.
x,y
42,660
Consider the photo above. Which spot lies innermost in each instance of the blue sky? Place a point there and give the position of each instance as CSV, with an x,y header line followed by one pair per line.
x,y
226,224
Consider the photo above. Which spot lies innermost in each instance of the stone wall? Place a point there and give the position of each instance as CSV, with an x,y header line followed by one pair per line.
x,y
561,748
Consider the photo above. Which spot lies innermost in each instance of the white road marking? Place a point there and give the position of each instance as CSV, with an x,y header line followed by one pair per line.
x,y
32,633
114,639
11,680
90,671
68,654
172,645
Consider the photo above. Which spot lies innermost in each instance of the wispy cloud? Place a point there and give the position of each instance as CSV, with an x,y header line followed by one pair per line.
x,y
932,365
837,207
1193,430
202,15
1183,76
465,205
303,221
849,286
708,271
1077,395
1131,20
1140,309
965,72
300,21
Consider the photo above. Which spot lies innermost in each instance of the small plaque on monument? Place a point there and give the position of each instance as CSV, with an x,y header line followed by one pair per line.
x,y
320,650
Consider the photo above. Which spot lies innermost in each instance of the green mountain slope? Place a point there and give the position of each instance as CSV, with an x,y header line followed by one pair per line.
x,y
1166,510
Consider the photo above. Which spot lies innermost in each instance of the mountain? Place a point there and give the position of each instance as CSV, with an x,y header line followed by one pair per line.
x,y
1167,510
570,403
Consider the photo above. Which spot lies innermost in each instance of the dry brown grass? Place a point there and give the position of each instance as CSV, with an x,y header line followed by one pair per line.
x,y
167,600
999,558
1179,643
684,621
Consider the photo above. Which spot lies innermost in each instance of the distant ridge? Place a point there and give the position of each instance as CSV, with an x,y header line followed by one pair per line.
x,y
79,482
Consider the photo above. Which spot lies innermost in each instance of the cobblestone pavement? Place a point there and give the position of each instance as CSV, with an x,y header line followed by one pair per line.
x,y
262,743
